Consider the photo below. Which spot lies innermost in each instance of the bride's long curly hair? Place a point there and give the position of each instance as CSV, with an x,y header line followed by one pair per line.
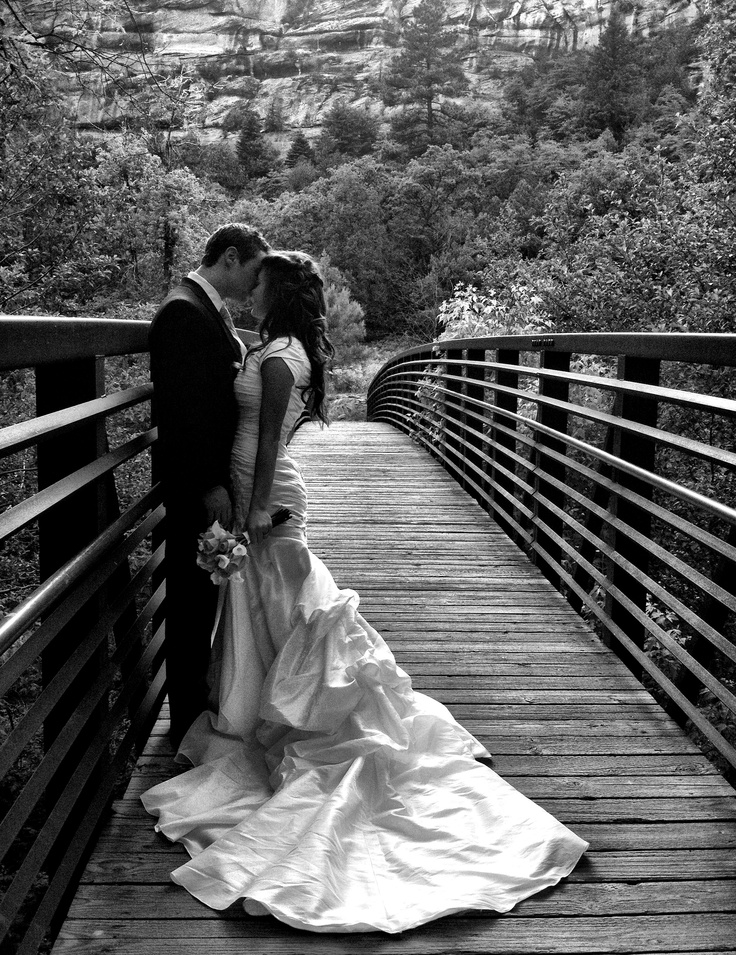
x,y
295,307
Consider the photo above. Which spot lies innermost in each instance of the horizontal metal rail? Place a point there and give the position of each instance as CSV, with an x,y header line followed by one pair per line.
x,y
28,433
599,383
624,495
30,510
42,600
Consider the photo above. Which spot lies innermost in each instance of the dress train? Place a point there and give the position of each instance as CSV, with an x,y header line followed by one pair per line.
x,y
324,789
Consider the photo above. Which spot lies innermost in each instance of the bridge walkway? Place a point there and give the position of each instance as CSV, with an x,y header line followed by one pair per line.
x,y
479,627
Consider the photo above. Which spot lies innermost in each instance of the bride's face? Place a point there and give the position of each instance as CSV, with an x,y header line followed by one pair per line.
x,y
258,297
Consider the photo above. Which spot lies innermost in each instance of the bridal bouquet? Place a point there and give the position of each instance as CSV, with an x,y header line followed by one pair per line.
x,y
222,554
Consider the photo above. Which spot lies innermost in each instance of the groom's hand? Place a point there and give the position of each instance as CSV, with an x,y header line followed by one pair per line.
x,y
218,507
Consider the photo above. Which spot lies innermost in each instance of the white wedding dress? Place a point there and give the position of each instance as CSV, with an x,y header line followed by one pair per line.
x,y
325,791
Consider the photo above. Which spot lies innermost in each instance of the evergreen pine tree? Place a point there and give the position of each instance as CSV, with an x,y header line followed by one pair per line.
x,y
255,155
299,151
349,129
614,89
428,66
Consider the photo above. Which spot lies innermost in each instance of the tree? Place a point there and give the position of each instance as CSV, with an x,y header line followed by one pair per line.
x,y
614,93
344,315
219,163
428,67
667,57
152,220
46,199
348,130
255,155
299,150
83,221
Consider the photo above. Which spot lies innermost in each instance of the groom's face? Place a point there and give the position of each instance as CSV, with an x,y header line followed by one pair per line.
x,y
243,276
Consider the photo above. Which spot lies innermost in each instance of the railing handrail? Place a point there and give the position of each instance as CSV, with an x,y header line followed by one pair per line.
x,y
29,341
717,348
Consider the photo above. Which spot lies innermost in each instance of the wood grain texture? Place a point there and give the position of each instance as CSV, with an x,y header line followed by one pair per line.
x,y
479,628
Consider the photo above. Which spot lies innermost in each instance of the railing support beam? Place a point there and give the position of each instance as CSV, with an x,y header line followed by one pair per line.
x,y
499,440
454,407
556,418
475,376
641,451
77,521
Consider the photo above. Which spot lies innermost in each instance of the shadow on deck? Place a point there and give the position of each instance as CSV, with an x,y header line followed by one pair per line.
x,y
478,627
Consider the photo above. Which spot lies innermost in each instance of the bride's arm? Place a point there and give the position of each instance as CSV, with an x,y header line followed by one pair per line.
x,y
277,382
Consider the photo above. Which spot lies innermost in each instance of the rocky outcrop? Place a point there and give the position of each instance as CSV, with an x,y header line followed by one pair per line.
x,y
300,55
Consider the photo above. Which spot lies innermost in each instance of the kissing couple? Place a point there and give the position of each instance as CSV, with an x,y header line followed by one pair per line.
x,y
321,788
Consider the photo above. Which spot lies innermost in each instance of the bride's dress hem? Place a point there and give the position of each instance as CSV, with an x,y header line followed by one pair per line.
x,y
255,908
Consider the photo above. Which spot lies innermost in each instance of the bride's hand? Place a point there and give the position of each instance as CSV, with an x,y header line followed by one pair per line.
x,y
258,525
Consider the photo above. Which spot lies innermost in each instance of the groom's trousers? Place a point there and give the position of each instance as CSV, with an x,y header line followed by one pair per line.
x,y
191,603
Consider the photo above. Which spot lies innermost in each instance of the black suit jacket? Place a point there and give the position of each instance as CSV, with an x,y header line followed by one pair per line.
x,y
193,358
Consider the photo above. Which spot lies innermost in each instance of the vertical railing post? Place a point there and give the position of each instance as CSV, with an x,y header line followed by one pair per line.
x,y
63,532
594,524
410,390
715,613
639,450
500,441
398,393
74,523
546,466
454,409
475,376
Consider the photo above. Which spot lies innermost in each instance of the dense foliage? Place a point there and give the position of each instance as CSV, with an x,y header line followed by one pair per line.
x,y
602,187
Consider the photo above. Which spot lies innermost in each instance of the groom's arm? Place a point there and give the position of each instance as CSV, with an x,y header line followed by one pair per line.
x,y
193,404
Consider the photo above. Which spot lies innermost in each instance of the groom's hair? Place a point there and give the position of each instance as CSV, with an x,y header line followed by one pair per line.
x,y
247,241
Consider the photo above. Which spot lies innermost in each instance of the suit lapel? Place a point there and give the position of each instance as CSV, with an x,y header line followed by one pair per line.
x,y
207,304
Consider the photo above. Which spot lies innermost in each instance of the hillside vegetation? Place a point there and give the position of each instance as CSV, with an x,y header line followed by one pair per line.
x,y
598,197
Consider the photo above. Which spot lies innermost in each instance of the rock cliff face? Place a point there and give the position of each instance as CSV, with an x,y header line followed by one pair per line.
x,y
301,55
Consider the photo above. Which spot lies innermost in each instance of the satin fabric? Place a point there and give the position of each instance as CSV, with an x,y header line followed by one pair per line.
x,y
324,789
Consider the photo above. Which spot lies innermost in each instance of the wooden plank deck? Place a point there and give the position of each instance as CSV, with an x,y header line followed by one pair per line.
x,y
479,628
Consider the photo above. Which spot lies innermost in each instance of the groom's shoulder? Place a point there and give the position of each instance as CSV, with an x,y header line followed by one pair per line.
x,y
185,305
185,294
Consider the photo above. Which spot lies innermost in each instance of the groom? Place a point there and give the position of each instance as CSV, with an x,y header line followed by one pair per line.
x,y
195,354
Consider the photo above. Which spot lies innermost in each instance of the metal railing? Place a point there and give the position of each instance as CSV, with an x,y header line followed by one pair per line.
x,y
82,673
611,460
81,677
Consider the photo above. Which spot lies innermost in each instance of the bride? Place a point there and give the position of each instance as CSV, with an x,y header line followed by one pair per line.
x,y
324,790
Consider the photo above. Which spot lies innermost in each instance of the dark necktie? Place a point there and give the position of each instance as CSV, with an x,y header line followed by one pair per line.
x,y
228,319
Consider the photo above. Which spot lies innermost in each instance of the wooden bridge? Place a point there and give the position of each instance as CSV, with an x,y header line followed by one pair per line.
x,y
477,624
